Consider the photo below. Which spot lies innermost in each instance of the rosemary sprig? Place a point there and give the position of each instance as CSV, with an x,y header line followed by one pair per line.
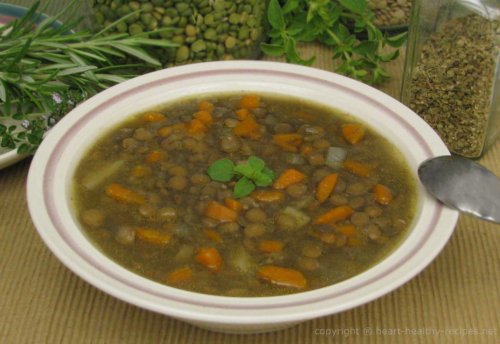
x,y
46,69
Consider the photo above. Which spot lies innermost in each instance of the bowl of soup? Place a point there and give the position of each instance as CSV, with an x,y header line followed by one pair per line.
x,y
240,196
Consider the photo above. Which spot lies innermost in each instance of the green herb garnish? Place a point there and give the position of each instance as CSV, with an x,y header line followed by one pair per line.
x,y
344,25
46,69
250,174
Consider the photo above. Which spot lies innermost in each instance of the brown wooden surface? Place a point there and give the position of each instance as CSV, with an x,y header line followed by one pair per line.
x,y
455,300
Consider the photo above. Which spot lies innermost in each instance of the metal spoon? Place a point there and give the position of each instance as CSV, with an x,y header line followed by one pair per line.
x,y
462,184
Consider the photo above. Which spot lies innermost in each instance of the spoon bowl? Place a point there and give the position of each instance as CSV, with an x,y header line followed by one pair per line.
x,y
462,184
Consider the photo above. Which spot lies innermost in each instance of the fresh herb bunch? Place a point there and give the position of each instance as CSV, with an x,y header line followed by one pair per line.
x,y
47,68
344,25
250,174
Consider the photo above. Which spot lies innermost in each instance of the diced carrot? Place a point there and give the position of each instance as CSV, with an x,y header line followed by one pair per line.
x,y
204,116
152,236
248,127
326,186
250,101
306,149
154,156
122,194
289,141
268,195
165,131
347,230
242,113
195,126
353,132
153,116
205,105
355,241
383,194
309,117
288,177
233,204
180,275
357,168
270,246
213,235
140,171
336,214
282,276
220,212
210,258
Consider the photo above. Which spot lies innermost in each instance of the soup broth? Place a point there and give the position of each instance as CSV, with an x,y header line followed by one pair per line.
x,y
244,195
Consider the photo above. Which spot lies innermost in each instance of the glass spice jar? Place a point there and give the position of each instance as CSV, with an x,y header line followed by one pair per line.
x,y
452,75
206,30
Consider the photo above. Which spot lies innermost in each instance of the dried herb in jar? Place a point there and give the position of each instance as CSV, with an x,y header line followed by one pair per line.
x,y
452,83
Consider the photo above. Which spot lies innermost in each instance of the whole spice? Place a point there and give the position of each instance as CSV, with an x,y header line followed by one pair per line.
x,y
338,25
452,83
47,69
205,30
390,12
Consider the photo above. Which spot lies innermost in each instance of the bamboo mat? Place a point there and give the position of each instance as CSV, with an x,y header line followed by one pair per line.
x,y
455,300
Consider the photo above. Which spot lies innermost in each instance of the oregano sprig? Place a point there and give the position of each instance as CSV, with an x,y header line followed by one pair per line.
x,y
250,174
338,24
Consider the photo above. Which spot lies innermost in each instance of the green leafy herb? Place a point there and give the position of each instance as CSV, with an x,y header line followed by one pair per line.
x,y
250,174
344,25
47,68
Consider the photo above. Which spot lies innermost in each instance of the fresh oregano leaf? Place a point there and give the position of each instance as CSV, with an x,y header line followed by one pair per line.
x,y
243,187
221,170
275,15
272,49
356,6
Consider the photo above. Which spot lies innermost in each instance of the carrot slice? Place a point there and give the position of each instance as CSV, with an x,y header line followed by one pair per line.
x,y
326,186
282,276
347,230
153,116
165,131
306,149
268,195
180,275
195,126
357,168
248,127
213,235
250,101
152,236
210,258
336,214
288,177
205,105
220,212
242,113
289,142
233,204
204,116
140,171
270,246
154,156
383,194
353,132
122,194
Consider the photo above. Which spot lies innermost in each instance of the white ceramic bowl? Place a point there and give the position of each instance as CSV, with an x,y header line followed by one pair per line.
x,y
53,166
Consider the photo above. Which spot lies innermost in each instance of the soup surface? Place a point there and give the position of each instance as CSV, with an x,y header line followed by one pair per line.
x,y
244,195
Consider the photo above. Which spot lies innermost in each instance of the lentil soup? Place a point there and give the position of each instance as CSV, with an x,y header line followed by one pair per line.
x,y
244,195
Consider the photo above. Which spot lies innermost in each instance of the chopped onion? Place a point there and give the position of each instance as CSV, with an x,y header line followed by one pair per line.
x,y
335,157
301,219
95,178
294,159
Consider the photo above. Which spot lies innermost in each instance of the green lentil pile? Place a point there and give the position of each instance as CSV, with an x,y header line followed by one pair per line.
x,y
390,12
205,30
452,83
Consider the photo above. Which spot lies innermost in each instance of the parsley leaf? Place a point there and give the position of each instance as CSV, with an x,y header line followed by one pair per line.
x,y
243,187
